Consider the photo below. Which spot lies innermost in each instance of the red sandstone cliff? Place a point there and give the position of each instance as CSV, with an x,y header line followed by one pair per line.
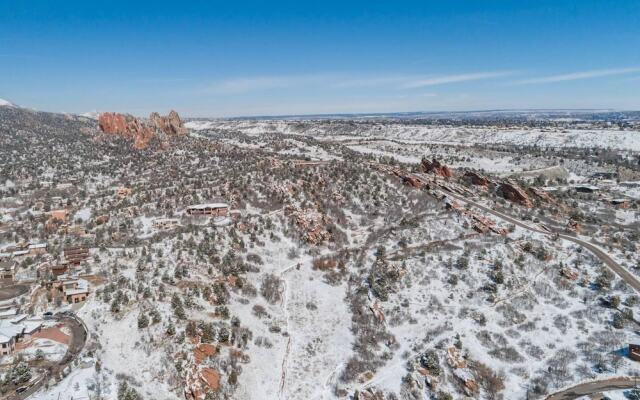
x,y
142,133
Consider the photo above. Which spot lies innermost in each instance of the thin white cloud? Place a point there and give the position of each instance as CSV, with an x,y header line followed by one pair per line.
x,y
442,80
578,75
336,81
252,84
370,81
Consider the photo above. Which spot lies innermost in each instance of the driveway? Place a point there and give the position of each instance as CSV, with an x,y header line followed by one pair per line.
x,y
11,291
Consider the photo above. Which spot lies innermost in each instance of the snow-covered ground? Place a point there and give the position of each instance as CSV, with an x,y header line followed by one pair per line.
x,y
465,136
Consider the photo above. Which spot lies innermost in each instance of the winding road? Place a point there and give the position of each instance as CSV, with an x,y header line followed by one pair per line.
x,y
603,256
585,389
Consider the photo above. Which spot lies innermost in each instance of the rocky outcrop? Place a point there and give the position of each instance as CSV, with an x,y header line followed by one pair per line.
x,y
541,194
435,167
170,125
574,226
477,179
413,181
127,126
514,193
311,224
140,132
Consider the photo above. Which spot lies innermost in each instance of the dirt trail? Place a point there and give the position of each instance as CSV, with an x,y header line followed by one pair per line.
x,y
285,304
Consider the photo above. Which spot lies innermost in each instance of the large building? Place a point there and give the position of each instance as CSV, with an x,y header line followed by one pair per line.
x,y
76,254
208,210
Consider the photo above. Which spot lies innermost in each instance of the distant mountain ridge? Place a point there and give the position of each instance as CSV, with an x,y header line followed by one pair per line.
x,y
6,103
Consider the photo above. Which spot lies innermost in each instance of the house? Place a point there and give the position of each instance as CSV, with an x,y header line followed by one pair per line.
x,y
165,224
57,201
75,230
620,203
209,210
11,331
74,255
9,335
59,215
124,192
75,290
8,269
60,269
604,175
586,188
20,254
37,249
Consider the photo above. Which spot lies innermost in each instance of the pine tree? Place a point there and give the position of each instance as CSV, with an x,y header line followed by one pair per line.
x,y
143,321
178,307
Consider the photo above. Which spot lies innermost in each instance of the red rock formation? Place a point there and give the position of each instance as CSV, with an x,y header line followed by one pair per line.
x,y
477,179
413,181
541,194
435,167
201,380
127,126
311,223
142,134
204,351
574,225
113,123
211,378
514,193
171,124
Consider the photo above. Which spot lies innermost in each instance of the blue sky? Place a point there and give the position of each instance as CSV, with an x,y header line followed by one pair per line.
x,y
210,58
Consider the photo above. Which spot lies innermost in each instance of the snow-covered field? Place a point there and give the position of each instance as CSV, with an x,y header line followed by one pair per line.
x,y
465,136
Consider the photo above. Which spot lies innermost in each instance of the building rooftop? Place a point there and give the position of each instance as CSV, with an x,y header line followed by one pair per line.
x,y
208,205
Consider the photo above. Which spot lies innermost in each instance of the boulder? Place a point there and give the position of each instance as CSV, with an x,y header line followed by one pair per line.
x,y
413,181
541,194
477,179
435,167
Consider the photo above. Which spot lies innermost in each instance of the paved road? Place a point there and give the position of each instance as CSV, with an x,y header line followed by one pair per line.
x,y
585,389
604,257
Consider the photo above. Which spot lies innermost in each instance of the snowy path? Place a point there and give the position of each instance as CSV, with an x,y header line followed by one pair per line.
x,y
285,303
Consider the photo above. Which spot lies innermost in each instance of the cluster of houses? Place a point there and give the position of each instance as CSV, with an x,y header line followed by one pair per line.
x,y
23,250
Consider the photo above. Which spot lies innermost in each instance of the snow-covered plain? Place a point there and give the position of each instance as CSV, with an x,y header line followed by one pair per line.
x,y
464,136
